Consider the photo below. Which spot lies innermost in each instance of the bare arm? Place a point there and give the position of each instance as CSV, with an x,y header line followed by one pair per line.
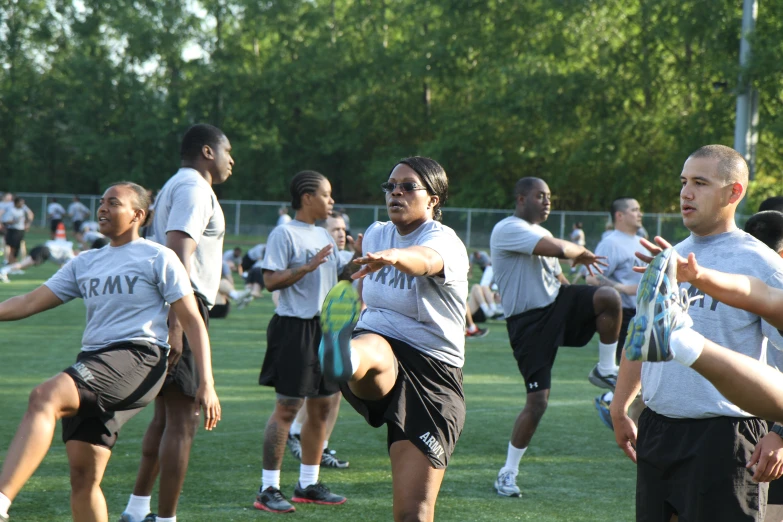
x,y
186,310
21,306
602,280
629,382
415,261
561,249
183,245
279,279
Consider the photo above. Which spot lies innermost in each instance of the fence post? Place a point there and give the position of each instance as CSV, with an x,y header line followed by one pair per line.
x,y
658,227
43,211
92,207
467,234
236,217
375,214
562,225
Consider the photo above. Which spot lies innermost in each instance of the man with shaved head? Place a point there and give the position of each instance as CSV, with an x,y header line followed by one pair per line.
x,y
544,312
699,456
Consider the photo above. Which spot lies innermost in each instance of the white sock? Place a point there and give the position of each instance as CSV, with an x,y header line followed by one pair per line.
x,y
308,475
486,309
270,477
138,507
356,360
296,428
687,345
233,294
326,443
472,329
606,363
608,396
166,519
513,457
5,503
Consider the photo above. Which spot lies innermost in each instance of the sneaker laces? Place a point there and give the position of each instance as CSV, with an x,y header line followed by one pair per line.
x,y
507,478
681,297
276,494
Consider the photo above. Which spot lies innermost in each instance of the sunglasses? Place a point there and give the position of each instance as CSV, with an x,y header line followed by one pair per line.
x,y
406,186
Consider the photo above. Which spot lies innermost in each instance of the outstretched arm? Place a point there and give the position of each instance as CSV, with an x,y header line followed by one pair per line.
x,y
562,249
186,311
736,290
414,260
21,306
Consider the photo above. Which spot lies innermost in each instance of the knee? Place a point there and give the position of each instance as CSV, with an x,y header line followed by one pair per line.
x,y
40,400
83,481
286,413
608,299
536,404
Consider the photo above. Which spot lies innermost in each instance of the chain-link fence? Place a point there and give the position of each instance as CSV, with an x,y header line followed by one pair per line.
x,y
473,225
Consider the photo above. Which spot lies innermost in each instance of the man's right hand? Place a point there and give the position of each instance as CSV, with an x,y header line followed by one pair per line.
x,y
320,258
625,434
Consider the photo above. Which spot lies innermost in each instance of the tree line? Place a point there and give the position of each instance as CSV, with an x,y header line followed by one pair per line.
x,y
600,98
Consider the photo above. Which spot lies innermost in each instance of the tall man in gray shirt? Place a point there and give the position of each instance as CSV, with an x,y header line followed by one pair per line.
x,y
188,219
544,312
693,444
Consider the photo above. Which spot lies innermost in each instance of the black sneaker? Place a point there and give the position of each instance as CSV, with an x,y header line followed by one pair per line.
x,y
328,460
316,494
294,444
272,500
151,517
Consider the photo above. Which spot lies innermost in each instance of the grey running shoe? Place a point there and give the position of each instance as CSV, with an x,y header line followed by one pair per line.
x,y
127,517
506,484
328,460
294,444
596,378
339,315
662,308
602,406
272,500
151,517
479,332
316,494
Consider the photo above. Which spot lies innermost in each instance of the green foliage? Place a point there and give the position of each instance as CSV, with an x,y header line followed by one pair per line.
x,y
599,98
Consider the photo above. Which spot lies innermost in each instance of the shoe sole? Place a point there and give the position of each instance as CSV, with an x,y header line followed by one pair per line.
x,y
339,314
259,505
602,414
598,382
302,500
512,495
640,327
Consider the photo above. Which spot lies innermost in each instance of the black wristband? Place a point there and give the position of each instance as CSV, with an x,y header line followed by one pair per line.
x,y
777,429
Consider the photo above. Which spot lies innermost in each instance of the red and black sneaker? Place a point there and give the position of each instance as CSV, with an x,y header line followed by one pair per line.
x,y
272,500
316,494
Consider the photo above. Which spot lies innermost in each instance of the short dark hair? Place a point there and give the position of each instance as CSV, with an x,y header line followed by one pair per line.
x,y
773,203
18,199
731,165
767,227
142,199
196,137
524,185
434,178
620,204
304,182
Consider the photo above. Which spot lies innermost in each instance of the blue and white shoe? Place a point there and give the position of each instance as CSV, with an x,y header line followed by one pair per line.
x,y
602,406
661,308
339,315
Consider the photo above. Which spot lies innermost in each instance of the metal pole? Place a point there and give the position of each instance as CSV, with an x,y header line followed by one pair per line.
x,y
467,232
43,211
742,131
658,226
236,217
562,225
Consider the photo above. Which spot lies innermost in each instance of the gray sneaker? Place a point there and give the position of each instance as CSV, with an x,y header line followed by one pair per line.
x,y
151,517
506,484
328,460
126,517
272,500
596,378
294,444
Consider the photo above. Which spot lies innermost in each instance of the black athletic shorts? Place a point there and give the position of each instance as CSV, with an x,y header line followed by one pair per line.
x,y
40,254
247,263
291,363
184,374
14,238
220,311
536,334
54,223
696,468
77,226
255,275
426,405
628,314
114,384
479,316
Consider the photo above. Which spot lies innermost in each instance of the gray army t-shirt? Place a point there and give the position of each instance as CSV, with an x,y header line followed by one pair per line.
x,y
675,391
188,204
428,313
525,281
620,250
126,291
293,245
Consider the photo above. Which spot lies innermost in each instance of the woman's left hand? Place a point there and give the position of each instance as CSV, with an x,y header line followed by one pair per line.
x,y
207,400
375,261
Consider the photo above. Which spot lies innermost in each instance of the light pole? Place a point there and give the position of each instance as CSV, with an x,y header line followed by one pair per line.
x,y
746,125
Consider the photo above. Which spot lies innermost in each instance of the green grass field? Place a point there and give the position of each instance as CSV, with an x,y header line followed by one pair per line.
x,y
573,470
